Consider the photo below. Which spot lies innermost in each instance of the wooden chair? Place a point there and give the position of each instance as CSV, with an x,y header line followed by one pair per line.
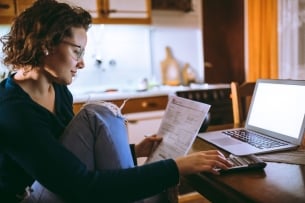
x,y
241,97
192,197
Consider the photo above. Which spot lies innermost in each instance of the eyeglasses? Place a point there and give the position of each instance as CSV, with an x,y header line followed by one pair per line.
x,y
78,53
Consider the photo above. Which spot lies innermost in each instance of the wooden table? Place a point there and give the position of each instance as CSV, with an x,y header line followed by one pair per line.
x,y
277,183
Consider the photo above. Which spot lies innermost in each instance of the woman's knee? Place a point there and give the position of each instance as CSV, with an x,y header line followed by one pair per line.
x,y
99,131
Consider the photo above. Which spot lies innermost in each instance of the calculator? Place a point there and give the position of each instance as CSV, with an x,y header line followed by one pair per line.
x,y
243,163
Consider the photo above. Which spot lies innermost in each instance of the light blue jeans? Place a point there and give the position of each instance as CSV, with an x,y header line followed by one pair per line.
x,y
98,136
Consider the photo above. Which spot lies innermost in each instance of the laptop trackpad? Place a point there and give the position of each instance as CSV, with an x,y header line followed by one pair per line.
x,y
226,141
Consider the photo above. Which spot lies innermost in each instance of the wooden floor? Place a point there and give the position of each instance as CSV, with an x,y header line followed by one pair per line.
x,y
192,197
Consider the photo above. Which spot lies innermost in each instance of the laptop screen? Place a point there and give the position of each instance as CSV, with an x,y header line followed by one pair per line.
x,y
278,106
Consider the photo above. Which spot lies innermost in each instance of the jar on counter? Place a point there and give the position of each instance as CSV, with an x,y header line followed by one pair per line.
x,y
188,74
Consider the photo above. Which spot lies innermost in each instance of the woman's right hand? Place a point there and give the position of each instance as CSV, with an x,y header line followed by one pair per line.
x,y
203,161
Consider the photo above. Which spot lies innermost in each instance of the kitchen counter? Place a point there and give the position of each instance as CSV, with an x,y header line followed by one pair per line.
x,y
102,93
155,99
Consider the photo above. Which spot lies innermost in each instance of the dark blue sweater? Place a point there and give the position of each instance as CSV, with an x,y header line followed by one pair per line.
x,y
30,150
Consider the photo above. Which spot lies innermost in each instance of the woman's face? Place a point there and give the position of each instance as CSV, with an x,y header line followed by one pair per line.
x,y
63,62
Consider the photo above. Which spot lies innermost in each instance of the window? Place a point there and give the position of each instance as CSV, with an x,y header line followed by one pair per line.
x,y
291,21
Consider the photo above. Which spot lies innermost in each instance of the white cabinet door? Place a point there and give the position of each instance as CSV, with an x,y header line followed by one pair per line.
x,y
89,5
128,9
141,124
115,11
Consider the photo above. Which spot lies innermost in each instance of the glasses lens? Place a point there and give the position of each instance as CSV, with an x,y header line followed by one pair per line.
x,y
81,54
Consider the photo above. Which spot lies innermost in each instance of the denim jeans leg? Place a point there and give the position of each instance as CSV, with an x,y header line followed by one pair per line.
x,y
98,137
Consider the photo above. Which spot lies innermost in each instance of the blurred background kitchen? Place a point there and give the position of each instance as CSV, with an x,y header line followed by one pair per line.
x,y
212,36
123,55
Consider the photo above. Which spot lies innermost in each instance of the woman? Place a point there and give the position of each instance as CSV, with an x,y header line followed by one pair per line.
x,y
42,140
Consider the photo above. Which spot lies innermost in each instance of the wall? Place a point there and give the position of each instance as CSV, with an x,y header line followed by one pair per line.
x,y
182,32
124,53
129,53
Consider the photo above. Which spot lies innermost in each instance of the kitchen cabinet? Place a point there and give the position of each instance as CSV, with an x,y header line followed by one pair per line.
x,y
144,117
116,11
135,105
141,124
21,5
7,11
173,5
102,11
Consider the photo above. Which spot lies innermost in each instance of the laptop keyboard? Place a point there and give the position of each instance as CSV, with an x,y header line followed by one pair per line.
x,y
254,139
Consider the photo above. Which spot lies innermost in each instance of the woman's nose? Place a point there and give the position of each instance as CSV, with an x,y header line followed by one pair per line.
x,y
80,64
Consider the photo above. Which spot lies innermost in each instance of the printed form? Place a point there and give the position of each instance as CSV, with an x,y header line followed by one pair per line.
x,y
179,127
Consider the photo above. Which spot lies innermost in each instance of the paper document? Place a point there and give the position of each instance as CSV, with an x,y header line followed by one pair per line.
x,y
179,127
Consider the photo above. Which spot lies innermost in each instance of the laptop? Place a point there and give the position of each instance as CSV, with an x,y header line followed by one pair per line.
x,y
276,112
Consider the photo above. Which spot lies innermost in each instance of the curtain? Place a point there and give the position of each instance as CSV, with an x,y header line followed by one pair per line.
x,y
262,39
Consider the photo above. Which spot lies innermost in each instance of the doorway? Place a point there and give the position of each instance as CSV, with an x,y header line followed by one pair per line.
x,y
223,41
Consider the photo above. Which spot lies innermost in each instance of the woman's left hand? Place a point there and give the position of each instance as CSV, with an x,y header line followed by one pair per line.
x,y
147,145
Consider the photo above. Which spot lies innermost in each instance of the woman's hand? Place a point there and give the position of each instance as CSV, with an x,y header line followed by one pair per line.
x,y
147,145
203,161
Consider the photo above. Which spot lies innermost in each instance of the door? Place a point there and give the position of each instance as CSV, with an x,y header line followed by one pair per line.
x,y
223,38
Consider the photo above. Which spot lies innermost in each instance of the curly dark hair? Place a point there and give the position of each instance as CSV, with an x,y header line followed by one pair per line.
x,y
39,27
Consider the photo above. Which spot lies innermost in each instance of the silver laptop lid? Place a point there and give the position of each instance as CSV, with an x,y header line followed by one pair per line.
x,y
278,109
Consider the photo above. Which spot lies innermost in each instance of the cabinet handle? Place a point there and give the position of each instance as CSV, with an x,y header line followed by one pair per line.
x,y
132,121
208,64
148,104
112,11
4,6
105,12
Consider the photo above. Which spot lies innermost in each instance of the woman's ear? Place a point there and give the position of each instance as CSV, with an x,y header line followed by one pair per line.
x,y
45,50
